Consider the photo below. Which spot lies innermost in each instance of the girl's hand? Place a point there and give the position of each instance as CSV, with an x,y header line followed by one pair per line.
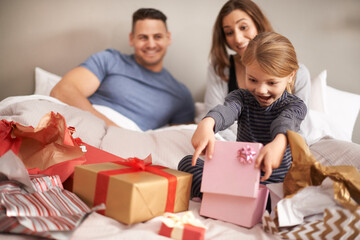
x,y
203,139
271,155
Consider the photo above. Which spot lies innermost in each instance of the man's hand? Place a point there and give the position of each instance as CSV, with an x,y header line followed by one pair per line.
x,y
203,139
271,155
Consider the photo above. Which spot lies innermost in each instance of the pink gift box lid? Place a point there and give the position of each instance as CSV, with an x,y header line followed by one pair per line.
x,y
227,174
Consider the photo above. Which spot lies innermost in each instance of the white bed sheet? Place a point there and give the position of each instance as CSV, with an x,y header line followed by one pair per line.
x,y
99,227
167,145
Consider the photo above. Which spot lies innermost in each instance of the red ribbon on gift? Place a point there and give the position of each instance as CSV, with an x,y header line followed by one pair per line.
x,y
135,165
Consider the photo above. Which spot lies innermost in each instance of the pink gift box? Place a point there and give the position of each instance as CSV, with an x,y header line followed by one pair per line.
x,y
230,184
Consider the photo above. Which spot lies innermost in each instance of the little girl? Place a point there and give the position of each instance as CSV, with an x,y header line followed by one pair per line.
x,y
265,110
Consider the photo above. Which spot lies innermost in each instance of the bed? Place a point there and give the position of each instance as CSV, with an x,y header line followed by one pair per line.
x,y
329,139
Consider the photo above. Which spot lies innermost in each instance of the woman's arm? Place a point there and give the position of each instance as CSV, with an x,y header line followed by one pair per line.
x,y
302,87
216,89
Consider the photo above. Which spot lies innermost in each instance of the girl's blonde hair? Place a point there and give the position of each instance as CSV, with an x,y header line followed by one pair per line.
x,y
275,55
218,53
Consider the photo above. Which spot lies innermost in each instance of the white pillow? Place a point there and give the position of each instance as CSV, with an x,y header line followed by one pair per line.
x,y
331,112
318,125
44,81
342,108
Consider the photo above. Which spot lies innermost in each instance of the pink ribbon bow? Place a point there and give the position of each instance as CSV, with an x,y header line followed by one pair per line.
x,y
246,155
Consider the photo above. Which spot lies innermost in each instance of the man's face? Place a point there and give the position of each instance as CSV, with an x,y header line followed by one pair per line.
x,y
150,40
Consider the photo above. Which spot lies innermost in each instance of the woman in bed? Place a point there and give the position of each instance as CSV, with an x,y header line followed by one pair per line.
x,y
237,23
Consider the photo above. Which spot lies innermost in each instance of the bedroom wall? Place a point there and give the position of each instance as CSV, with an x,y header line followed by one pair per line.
x,y
58,35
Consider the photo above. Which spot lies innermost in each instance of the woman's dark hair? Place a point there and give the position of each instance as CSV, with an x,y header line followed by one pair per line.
x,y
218,53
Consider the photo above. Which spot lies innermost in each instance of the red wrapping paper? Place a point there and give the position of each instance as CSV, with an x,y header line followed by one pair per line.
x,y
46,149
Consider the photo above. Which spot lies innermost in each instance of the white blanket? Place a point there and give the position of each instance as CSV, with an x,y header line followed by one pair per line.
x,y
167,145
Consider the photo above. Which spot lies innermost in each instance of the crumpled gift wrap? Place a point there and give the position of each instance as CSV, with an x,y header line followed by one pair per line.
x,y
49,209
308,204
133,190
46,211
13,169
337,223
185,227
335,190
306,171
47,144
46,149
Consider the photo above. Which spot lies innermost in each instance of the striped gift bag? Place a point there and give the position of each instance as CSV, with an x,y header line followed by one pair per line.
x,y
337,223
49,208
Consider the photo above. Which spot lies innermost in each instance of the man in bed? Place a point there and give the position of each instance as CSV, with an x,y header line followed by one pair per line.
x,y
137,86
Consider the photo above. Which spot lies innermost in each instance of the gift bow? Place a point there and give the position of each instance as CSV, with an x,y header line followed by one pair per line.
x,y
172,220
178,224
137,163
246,155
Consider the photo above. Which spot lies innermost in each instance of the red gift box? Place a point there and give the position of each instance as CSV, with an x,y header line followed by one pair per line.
x,y
92,155
186,227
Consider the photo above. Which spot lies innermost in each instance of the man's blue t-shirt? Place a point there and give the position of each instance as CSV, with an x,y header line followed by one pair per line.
x,y
150,99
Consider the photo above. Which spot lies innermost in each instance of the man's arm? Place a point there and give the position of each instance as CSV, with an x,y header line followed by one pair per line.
x,y
74,89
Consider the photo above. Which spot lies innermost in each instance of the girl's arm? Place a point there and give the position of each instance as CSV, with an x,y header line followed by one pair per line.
x,y
271,155
217,119
203,139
